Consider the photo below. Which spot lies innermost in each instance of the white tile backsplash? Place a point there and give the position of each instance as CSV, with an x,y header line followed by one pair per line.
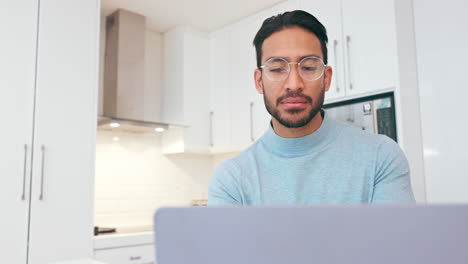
x,y
133,178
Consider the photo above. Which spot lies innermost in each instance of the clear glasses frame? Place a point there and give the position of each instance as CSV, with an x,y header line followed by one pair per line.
x,y
288,70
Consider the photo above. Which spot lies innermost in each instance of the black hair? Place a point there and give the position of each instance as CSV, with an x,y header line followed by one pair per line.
x,y
297,18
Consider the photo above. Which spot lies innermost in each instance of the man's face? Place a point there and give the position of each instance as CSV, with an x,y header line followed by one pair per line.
x,y
293,102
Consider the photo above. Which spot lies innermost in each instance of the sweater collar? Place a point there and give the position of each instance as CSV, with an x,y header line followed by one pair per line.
x,y
293,147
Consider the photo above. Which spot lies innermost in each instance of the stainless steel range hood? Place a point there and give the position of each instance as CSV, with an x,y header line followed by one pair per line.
x,y
124,76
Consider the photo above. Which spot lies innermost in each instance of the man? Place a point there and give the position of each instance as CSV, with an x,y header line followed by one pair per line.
x,y
304,157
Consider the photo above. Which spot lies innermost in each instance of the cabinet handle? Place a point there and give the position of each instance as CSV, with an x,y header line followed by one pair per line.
x,y
41,195
25,160
211,128
335,45
135,258
348,40
251,122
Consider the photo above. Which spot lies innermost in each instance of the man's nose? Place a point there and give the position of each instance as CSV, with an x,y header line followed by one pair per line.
x,y
294,80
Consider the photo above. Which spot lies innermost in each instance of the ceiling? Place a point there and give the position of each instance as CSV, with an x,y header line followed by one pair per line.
x,y
205,15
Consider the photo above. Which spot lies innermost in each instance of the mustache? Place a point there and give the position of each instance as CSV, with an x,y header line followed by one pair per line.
x,y
293,94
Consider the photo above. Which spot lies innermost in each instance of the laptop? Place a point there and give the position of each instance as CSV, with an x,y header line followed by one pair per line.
x,y
358,234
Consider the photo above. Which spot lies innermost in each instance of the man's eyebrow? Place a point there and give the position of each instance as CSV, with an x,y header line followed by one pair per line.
x,y
288,59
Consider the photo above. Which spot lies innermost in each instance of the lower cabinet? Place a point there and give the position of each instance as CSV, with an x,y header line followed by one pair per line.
x,y
141,254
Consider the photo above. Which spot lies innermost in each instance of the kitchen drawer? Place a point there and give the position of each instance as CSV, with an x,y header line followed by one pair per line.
x,y
143,254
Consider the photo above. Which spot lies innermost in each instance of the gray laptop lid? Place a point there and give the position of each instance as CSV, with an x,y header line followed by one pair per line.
x,y
321,234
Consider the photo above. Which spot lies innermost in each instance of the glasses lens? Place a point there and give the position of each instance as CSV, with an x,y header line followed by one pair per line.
x,y
311,68
276,69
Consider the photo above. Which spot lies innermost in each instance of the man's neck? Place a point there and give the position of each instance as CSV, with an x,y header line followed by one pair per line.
x,y
308,129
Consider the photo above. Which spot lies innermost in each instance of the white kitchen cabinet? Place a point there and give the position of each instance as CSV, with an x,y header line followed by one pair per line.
x,y
141,254
17,67
362,54
371,50
186,81
242,85
220,125
123,248
48,105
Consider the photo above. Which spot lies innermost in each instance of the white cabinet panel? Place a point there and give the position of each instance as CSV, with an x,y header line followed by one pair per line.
x,y
370,45
186,90
17,67
127,255
220,124
65,126
196,99
240,53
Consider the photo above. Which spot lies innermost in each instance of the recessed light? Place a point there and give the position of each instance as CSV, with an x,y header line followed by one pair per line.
x,y
159,129
114,124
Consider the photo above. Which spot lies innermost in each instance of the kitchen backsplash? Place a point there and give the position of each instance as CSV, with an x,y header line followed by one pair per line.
x,y
133,178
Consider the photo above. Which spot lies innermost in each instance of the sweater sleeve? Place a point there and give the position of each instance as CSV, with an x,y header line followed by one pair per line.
x,y
224,188
392,182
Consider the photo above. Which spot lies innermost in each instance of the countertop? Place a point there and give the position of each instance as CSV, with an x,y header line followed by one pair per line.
x,y
119,239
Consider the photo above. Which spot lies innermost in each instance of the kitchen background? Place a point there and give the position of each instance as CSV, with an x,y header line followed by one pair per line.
x,y
200,80
198,83
133,175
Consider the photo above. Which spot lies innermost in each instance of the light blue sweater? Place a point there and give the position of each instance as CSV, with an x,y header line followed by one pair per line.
x,y
335,164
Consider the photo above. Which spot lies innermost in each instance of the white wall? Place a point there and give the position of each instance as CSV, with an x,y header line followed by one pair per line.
x,y
442,55
407,98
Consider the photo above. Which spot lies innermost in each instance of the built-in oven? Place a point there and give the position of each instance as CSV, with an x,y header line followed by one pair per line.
x,y
375,114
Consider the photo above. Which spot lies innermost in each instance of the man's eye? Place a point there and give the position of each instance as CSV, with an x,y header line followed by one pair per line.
x,y
310,68
277,70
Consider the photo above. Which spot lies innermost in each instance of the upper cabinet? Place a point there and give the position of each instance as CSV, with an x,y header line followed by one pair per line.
x,y
371,48
362,45
220,114
186,80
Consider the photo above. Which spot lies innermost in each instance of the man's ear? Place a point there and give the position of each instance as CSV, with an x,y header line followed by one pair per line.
x,y
328,77
258,81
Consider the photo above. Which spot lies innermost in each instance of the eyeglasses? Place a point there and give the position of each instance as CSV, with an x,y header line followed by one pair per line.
x,y
310,68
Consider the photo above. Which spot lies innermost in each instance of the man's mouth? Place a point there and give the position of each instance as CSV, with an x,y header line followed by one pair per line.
x,y
294,102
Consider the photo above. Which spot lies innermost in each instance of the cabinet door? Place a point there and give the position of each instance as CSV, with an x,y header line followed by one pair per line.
x,y
328,12
61,225
196,92
370,39
143,254
17,66
240,82
220,124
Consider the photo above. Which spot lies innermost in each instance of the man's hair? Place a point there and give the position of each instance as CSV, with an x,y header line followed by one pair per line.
x,y
297,18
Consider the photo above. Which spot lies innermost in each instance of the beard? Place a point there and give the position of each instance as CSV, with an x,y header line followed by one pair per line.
x,y
272,108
